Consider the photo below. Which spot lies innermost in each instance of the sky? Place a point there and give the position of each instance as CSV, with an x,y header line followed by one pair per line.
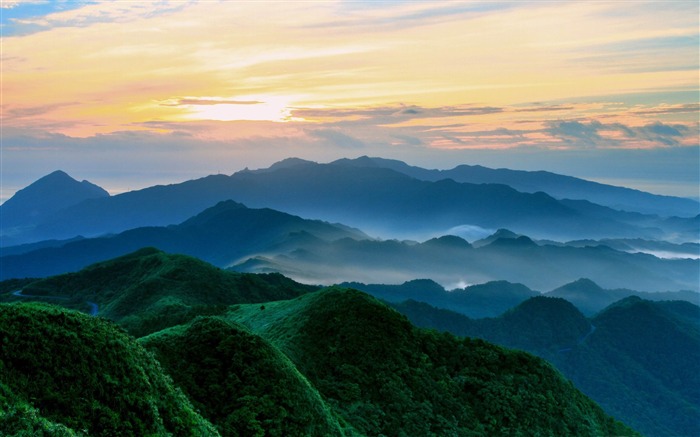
x,y
128,94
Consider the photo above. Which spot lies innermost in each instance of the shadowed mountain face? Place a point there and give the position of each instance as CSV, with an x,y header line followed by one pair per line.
x,y
41,200
380,200
636,358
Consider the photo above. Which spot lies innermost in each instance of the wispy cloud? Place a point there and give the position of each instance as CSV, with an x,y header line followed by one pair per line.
x,y
319,79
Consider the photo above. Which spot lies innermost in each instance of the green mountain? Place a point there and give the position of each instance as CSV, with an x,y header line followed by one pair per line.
x,y
149,290
636,358
66,373
240,382
386,377
328,362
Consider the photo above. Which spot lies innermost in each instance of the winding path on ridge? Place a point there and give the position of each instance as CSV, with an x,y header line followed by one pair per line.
x,y
94,308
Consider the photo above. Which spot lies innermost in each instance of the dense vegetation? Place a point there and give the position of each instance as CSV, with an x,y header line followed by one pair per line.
x,y
149,290
66,372
386,377
637,358
241,383
329,362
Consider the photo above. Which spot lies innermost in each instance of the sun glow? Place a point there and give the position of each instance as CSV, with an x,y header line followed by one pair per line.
x,y
252,108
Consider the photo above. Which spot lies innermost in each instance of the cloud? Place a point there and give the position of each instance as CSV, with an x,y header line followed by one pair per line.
x,y
27,17
14,112
595,134
205,101
669,109
337,138
576,133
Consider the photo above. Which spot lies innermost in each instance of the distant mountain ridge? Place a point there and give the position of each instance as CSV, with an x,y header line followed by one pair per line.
x,y
492,299
556,185
221,235
380,200
253,240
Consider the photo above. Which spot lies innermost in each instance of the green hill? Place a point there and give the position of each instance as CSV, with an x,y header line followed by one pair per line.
x,y
67,373
636,358
385,376
149,290
240,382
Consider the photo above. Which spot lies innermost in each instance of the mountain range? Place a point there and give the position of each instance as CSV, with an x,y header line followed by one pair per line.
x,y
556,185
491,299
230,235
379,200
635,357
213,285
319,362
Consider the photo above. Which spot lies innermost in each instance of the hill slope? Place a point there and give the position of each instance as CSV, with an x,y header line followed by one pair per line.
x,y
86,375
385,376
636,358
149,290
240,382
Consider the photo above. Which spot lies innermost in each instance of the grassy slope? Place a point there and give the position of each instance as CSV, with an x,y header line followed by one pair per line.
x,y
84,374
149,290
387,377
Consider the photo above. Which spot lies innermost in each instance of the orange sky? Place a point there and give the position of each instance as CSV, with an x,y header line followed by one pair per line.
x,y
256,81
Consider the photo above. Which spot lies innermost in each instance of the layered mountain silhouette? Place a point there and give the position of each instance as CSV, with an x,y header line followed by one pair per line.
x,y
379,200
477,301
491,299
221,235
518,260
635,358
263,240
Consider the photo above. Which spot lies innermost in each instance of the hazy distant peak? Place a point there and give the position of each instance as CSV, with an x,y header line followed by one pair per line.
x,y
46,196
210,213
59,180
500,234
582,284
289,163
448,241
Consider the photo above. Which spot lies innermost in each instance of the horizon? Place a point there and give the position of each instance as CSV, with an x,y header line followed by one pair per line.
x,y
132,94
